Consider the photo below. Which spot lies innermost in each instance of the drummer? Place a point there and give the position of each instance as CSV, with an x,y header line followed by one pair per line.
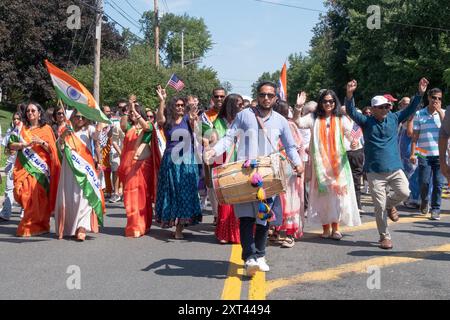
x,y
255,143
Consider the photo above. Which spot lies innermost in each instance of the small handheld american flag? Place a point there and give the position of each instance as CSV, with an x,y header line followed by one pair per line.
x,y
356,132
175,82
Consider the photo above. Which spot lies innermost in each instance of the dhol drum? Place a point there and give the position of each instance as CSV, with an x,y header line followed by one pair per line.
x,y
231,182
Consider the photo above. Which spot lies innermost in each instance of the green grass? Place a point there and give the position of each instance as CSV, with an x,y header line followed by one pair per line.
x,y
5,121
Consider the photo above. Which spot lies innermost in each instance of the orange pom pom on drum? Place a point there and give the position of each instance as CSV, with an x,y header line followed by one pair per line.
x,y
232,183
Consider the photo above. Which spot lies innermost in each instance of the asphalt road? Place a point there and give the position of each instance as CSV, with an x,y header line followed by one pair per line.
x,y
109,266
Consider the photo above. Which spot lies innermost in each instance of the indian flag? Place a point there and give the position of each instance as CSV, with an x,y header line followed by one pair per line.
x,y
422,153
74,94
282,83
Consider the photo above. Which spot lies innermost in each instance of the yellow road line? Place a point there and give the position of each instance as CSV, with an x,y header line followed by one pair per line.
x,y
233,283
257,289
356,267
258,285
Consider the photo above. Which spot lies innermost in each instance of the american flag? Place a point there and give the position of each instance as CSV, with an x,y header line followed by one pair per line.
x,y
175,83
356,132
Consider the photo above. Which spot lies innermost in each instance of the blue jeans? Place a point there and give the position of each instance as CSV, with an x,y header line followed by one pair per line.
x,y
414,186
252,246
430,172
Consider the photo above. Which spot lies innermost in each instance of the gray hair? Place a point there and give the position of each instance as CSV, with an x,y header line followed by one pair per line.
x,y
309,107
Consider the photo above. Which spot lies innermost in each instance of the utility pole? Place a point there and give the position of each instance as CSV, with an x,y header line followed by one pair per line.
x,y
182,49
98,45
156,33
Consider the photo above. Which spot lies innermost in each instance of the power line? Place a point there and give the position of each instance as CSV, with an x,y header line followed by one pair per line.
x,y
290,6
125,17
109,17
125,12
132,7
84,43
385,20
416,26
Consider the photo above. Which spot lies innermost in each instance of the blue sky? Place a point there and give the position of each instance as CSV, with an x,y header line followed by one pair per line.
x,y
250,37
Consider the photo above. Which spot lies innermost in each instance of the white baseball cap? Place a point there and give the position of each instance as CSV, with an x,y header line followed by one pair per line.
x,y
379,101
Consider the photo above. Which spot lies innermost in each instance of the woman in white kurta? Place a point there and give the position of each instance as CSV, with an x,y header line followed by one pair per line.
x,y
77,209
332,199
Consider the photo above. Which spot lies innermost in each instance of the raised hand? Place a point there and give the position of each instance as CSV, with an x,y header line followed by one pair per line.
x,y
162,95
351,88
301,98
423,84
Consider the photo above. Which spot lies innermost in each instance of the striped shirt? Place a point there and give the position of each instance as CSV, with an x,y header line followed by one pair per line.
x,y
428,125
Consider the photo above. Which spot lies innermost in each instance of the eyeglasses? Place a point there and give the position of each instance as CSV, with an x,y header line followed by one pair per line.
x,y
60,113
79,117
268,95
328,101
179,105
383,106
151,116
219,97
436,98
16,119
31,111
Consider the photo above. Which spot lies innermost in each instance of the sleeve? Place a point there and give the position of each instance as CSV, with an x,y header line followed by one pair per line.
x,y
416,122
353,113
444,132
305,122
226,142
408,111
289,144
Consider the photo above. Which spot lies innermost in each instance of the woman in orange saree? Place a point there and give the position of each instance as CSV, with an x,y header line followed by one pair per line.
x,y
36,172
136,171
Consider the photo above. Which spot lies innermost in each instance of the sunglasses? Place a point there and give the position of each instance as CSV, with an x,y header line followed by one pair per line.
x,y
16,119
79,117
383,106
60,113
179,105
31,111
219,97
268,95
328,101
436,98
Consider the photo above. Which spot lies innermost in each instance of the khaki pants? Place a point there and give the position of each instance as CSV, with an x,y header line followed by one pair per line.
x,y
399,191
213,200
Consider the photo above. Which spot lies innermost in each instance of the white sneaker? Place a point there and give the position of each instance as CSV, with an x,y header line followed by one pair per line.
x,y
263,266
251,266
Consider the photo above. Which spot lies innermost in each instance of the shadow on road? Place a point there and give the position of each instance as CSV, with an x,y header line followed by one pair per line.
x,y
345,241
167,235
191,268
426,233
426,255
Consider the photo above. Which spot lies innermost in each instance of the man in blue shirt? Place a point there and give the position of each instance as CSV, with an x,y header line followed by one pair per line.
x,y
427,123
382,158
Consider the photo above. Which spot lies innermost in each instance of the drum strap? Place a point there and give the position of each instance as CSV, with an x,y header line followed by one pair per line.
x,y
261,124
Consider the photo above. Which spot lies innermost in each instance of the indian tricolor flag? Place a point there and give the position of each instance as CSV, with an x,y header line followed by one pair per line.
x,y
282,83
74,94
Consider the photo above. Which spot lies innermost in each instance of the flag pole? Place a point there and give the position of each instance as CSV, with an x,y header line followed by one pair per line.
x,y
168,81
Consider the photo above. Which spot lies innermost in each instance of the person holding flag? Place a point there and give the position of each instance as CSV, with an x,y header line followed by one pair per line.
x,y
80,203
36,171
177,201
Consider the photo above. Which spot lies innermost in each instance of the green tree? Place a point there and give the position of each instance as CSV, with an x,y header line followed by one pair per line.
x,y
138,75
34,30
266,76
197,38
